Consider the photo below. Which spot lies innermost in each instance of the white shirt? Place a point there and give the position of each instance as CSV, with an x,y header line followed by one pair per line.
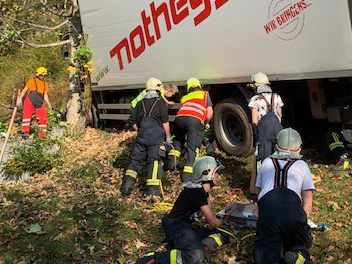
x,y
259,103
299,177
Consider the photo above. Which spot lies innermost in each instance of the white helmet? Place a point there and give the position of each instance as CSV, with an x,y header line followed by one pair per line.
x,y
259,79
288,140
154,84
204,169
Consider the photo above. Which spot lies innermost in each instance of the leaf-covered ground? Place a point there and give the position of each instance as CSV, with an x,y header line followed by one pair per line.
x,y
75,214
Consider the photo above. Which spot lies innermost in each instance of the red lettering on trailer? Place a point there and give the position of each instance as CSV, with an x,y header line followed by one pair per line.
x,y
286,19
135,44
177,13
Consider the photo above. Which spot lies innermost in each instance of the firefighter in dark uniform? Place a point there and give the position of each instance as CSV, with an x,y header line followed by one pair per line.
x,y
339,140
150,119
190,244
196,112
285,202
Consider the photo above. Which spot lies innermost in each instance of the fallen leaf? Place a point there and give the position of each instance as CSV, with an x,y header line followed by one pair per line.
x,y
35,229
334,205
140,244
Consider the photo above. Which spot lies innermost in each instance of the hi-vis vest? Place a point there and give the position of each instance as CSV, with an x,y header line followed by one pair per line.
x,y
194,104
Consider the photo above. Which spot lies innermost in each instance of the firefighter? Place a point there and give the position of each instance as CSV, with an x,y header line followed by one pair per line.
x,y
340,140
266,112
190,244
196,111
36,100
150,119
285,202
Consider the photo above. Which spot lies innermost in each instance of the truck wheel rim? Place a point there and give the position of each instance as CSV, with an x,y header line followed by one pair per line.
x,y
231,130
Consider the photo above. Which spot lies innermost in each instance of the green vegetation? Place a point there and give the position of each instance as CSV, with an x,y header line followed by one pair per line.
x,y
37,156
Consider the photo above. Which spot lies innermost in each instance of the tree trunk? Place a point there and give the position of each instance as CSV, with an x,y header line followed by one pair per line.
x,y
75,116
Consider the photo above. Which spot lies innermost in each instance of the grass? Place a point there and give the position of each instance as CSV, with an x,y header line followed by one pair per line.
x,y
85,220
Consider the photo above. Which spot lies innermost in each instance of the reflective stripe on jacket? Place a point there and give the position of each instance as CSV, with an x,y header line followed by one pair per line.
x,y
194,104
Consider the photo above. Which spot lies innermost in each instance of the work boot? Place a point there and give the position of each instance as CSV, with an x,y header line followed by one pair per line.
x,y
127,185
153,190
342,164
292,257
147,259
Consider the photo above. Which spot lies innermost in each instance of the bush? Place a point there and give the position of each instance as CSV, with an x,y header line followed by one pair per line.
x,y
34,157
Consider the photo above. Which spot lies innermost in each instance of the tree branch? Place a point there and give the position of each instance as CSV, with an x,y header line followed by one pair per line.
x,y
40,26
35,45
54,44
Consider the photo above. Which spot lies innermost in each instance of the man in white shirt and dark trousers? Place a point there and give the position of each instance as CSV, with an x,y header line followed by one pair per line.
x,y
285,201
266,112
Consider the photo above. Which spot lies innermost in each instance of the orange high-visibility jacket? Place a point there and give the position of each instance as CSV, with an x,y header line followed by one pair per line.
x,y
194,104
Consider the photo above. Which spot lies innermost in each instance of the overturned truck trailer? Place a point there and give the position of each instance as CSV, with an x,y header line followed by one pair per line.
x,y
303,45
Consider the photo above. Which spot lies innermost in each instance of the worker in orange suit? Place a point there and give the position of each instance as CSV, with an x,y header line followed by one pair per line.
x,y
36,99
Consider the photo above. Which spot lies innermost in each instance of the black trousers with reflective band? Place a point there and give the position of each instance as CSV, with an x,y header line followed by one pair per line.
x,y
282,226
146,153
188,130
336,144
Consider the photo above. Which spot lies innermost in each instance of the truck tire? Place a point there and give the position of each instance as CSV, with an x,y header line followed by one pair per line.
x,y
232,128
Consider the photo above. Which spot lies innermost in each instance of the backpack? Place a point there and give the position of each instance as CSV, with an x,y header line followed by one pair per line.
x,y
36,97
268,128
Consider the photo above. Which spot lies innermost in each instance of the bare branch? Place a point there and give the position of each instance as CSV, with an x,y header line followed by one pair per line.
x,y
41,26
35,45
54,44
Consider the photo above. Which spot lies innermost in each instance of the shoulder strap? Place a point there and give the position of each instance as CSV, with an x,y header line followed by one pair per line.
x,y
285,170
281,173
277,172
272,102
268,106
145,111
35,84
151,108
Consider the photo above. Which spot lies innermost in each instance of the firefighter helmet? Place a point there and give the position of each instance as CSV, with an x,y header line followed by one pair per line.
x,y
204,169
288,140
154,84
41,71
260,78
193,83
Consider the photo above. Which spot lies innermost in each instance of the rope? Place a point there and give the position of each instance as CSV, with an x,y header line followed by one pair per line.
x,y
227,233
241,240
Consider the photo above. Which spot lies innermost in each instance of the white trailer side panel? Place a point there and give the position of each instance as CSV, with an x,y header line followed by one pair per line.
x,y
230,44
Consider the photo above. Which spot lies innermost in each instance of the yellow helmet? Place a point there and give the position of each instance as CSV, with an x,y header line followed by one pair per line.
x,y
41,71
193,82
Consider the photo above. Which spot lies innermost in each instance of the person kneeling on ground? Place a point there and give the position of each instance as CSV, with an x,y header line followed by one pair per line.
x,y
285,201
190,244
150,119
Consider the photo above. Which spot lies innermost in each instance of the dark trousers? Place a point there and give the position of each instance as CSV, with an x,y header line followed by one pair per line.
x,y
147,155
282,226
335,142
188,130
267,132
